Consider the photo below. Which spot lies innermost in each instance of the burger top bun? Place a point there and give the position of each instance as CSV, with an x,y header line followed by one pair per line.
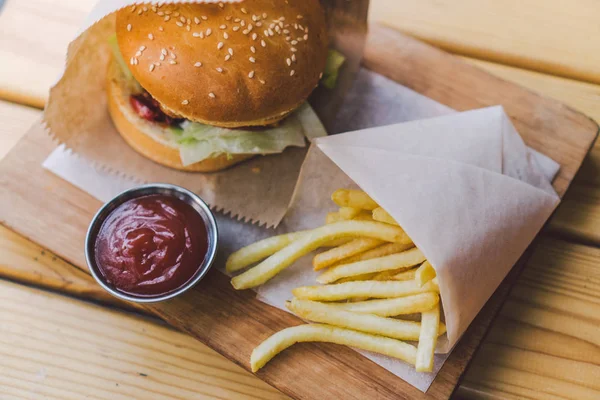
x,y
226,64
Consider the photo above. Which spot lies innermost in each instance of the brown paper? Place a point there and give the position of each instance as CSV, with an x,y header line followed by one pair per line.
x,y
256,191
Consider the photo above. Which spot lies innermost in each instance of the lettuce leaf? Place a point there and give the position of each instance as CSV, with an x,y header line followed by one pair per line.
x,y
116,52
335,60
198,141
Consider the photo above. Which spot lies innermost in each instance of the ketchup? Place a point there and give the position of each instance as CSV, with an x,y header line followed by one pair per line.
x,y
151,245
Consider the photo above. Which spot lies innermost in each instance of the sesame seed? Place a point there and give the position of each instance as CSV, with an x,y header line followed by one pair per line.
x,y
182,19
254,18
243,23
271,26
173,56
179,23
196,34
299,16
236,28
252,59
150,36
271,32
151,67
301,27
145,9
176,14
160,13
225,35
208,32
245,31
154,8
294,57
244,10
249,27
277,29
172,62
253,49
223,26
185,102
167,18
294,42
160,28
188,28
261,81
288,61
128,27
259,24
198,64
227,57
220,45
263,43
140,11
293,49
196,20
251,74
306,37
264,15
230,51
133,8
138,53
132,61
219,69
204,17
162,57
142,48
254,36
288,38
168,12
292,72
221,5
237,20
211,95
286,31
157,64
320,75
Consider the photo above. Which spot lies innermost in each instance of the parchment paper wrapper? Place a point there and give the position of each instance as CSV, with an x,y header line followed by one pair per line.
x,y
373,101
77,115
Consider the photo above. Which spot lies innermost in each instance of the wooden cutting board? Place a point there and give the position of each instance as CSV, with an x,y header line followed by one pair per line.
x,y
55,214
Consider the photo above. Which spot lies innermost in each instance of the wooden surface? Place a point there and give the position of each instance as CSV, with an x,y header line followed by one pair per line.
x,y
492,376
230,321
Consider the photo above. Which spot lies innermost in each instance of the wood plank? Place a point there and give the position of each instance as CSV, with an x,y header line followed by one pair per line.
x,y
33,45
231,322
16,120
555,37
546,342
56,347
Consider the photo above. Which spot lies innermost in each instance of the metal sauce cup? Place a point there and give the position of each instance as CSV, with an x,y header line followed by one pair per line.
x,y
145,190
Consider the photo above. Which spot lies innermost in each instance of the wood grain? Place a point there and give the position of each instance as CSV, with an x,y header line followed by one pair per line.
x,y
300,372
555,37
546,341
55,347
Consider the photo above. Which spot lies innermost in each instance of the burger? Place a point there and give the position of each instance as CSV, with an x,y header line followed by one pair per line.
x,y
203,86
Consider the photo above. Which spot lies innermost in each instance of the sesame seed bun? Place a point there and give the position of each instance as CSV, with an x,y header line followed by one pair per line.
x,y
230,65
144,136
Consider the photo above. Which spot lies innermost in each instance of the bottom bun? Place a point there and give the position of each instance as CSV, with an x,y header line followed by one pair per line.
x,y
138,132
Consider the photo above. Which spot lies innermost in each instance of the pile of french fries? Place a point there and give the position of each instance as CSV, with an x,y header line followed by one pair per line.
x,y
378,290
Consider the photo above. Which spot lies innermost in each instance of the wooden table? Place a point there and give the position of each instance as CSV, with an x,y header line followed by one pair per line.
x,y
62,337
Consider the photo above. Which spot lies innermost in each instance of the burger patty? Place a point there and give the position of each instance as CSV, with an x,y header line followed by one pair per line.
x,y
149,109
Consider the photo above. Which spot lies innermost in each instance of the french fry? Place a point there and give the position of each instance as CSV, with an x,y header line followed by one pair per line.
x,y
312,240
337,216
364,277
259,250
381,251
356,246
417,303
353,198
379,214
430,324
406,259
374,289
285,338
404,275
368,323
337,242
349,212
425,273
